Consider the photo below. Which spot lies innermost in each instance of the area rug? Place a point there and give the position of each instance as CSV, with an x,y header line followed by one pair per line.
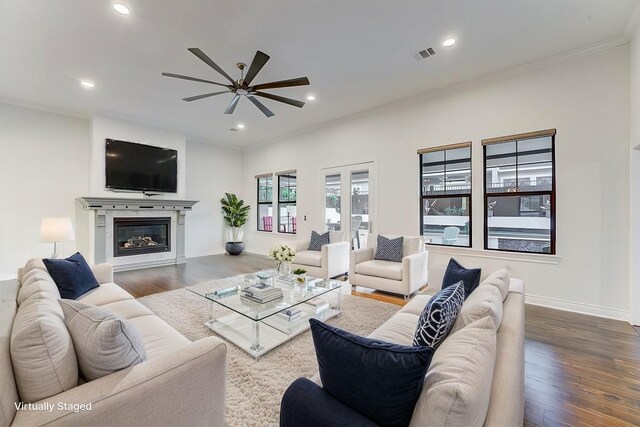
x,y
255,388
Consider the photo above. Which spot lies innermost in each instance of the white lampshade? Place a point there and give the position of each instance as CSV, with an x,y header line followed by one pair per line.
x,y
54,230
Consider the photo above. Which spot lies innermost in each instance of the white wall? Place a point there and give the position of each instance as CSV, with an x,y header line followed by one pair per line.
x,y
586,99
44,166
211,171
634,180
106,127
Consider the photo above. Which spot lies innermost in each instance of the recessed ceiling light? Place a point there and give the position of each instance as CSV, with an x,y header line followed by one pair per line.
x,y
87,84
311,98
449,42
240,126
121,9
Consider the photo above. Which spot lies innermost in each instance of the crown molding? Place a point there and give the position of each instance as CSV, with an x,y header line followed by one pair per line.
x,y
632,23
463,84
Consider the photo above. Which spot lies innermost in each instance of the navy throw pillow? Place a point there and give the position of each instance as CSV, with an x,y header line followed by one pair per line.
x,y
455,272
439,315
380,380
72,276
389,249
318,241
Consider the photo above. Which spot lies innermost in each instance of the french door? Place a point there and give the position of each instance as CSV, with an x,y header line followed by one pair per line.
x,y
348,206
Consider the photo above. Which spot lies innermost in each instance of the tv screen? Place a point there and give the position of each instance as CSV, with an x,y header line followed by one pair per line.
x,y
140,167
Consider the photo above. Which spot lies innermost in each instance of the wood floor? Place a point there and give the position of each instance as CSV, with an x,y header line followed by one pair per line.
x,y
579,370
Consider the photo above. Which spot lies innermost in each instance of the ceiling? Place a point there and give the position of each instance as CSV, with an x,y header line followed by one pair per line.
x,y
358,54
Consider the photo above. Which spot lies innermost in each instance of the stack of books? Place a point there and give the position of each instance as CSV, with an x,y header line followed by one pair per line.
x,y
261,293
318,304
290,314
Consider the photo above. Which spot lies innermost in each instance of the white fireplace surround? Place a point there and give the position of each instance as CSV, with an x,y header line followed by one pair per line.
x,y
94,229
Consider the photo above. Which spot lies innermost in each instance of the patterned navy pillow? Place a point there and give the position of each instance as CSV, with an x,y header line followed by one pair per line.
x,y
439,315
318,241
389,249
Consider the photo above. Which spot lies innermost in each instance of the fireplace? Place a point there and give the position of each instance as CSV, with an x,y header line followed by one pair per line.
x,y
141,235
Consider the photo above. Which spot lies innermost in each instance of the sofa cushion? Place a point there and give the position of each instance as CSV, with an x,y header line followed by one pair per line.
x,y
105,342
457,386
30,276
456,272
378,268
105,294
33,263
439,315
39,282
399,329
486,300
389,249
416,304
72,276
42,351
318,240
158,337
382,380
313,258
500,279
128,308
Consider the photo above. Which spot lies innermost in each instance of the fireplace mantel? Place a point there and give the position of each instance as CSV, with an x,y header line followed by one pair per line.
x,y
94,228
122,204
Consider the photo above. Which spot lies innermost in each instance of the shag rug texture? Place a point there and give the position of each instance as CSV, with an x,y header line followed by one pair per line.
x,y
255,388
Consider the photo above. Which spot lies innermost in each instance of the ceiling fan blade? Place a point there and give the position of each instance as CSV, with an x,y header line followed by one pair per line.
x,y
258,62
232,105
261,106
206,95
300,81
289,101
179,76
204,58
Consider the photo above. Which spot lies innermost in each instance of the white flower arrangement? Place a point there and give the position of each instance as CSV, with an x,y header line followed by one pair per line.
x,y
282,253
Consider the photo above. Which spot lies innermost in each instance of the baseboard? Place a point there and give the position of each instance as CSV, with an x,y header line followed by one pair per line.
x,y
577,307
8,277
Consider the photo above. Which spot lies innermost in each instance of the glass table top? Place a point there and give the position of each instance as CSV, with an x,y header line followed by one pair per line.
x,y
227,293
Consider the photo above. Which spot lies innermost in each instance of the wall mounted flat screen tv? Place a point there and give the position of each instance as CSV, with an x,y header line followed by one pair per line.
x,y
139,167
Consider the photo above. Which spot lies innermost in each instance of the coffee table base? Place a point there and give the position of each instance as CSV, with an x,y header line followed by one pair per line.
x,y
257,338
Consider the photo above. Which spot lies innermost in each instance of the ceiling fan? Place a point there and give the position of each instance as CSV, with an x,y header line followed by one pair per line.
x,y
242,86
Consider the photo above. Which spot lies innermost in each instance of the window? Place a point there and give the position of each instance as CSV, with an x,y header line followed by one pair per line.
x,y
519,194
265,202
445,181
287,220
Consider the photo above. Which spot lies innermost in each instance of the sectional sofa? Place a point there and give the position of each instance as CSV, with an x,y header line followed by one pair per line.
x,y
180,383
476,376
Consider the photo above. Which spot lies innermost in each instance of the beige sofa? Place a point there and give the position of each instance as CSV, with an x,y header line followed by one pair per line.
x,y
476,376
181,383
402,278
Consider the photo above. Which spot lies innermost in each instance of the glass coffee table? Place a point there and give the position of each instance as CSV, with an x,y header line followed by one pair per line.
x,y
258,328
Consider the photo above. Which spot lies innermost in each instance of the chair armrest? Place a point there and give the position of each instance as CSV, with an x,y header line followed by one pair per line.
x,y
184,387
335,258
305,403
414,271
298,245
358,256
103,273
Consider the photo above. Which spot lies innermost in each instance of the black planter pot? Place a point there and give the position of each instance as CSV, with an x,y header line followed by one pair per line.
x,y
234,248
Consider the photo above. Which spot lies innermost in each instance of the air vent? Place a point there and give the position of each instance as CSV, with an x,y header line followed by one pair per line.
x,y
425,53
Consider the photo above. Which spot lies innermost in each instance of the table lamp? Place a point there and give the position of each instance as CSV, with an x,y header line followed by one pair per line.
x,y
54,230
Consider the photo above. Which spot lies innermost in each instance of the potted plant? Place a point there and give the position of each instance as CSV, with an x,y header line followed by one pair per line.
x,y
235,214
300,275
282,255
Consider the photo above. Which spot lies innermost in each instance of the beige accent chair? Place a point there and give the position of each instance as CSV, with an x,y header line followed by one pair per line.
x,y
331,261
402,278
